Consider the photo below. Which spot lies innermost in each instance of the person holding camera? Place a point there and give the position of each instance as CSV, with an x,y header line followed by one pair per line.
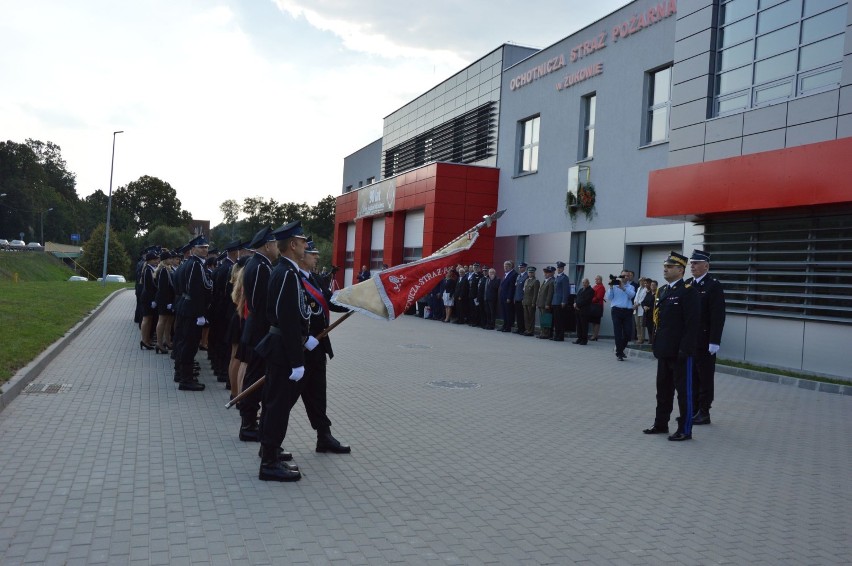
x,y
620,295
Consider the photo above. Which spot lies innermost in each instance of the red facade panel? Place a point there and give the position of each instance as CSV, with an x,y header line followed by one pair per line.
x,y
814,174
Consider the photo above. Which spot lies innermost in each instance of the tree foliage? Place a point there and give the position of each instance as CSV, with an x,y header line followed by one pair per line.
x,y
93,254
150,201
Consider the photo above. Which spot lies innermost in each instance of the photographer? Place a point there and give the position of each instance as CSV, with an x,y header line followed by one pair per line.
x,y
620,294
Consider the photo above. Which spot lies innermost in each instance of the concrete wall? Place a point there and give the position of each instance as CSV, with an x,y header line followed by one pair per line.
x,y
361,165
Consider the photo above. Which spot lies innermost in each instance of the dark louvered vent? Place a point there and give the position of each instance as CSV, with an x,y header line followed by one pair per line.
x,y
785,265
468,138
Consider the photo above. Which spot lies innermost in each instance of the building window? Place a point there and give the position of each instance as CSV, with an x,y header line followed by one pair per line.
x,y
770,51
528,150
589,104
348,188
360,184
349,260
411,254
377,259
371,180
659,104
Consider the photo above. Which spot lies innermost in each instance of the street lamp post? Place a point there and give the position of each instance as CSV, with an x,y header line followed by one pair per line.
x,y
109,208
43,212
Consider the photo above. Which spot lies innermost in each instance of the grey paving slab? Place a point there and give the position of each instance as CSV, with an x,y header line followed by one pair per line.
x,y
542,462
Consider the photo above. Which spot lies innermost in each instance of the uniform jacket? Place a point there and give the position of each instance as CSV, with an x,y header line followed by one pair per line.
x,y
192,288
678,312
712,319
507,286
462,288
165,288
221,295
545,293
287,316
561,290
519,286
584,299
531,287
148,292
255,286
492,288
480,292
319,321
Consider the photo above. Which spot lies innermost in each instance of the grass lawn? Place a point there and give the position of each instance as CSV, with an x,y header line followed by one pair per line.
x,y
35,314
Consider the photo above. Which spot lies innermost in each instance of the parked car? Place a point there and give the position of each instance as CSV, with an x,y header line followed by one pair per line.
x,y
34,246
113,279
4,244
78,278
17,245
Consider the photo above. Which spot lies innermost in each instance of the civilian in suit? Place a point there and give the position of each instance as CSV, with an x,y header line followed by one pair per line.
x,y
561,296
507,295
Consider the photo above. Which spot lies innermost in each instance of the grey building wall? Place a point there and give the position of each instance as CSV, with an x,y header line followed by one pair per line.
x,y
466,90
361,166
620,166
698,136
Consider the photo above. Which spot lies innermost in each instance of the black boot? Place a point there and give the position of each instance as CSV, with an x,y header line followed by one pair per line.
x,y
283,457
249,432
187,380
273,469
327,443
701,417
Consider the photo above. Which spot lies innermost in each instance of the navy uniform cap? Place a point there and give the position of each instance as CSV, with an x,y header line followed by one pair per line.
x,y
213,251
699,255
560,264
522,264
264,235
291,230
234,246
151,255
312,248
165,254
199,240
676,259
550,269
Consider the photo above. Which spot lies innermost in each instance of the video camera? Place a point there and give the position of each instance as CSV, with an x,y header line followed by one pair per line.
x,y
334,269
614,280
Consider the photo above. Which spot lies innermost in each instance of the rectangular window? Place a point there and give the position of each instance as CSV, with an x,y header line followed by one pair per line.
x,y
411,254
377,259
349,261
589,104
528,150
774,50
659,103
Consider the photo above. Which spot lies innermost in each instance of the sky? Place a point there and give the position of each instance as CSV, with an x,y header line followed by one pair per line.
x,y
232,99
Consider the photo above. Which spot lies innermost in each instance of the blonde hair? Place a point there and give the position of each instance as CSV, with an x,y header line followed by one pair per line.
x,y
237,295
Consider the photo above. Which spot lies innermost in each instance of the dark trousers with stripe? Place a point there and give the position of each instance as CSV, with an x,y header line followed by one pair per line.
x,y
314,391
705,369
673,374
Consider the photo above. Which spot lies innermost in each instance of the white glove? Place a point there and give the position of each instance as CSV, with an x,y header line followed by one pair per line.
x,y
200,321
476,302
713,348
169,307
311,343
297,373
153,304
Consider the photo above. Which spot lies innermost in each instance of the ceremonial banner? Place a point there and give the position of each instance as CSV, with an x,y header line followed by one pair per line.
x,y
389,293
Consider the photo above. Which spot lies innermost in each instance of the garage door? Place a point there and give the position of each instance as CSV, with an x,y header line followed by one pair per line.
x,y
652,258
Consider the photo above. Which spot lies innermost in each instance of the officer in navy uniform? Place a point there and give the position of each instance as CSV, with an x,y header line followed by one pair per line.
x,y
192,291
561,296
255,286
283,349
315,383
221,311
519,298
677,315
711,325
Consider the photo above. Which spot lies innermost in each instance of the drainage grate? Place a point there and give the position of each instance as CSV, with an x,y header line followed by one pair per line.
x,y
416,346
455,384
47,388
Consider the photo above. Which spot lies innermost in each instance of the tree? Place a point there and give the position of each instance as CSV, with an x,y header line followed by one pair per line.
x,y
150,202
93,254
320,218
167,237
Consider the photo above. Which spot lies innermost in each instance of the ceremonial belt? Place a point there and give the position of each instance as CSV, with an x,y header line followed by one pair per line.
x,y
187,296
275,330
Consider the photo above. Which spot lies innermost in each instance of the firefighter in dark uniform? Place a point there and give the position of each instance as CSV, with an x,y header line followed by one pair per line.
x,y
710,327
221,311
192,291
255,286
676,314
315,382
283,349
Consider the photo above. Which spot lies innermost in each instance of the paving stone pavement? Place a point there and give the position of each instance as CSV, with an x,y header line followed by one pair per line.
x,y
542,462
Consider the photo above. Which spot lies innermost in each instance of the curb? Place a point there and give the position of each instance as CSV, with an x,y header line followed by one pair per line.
x,y
28,373
764,376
